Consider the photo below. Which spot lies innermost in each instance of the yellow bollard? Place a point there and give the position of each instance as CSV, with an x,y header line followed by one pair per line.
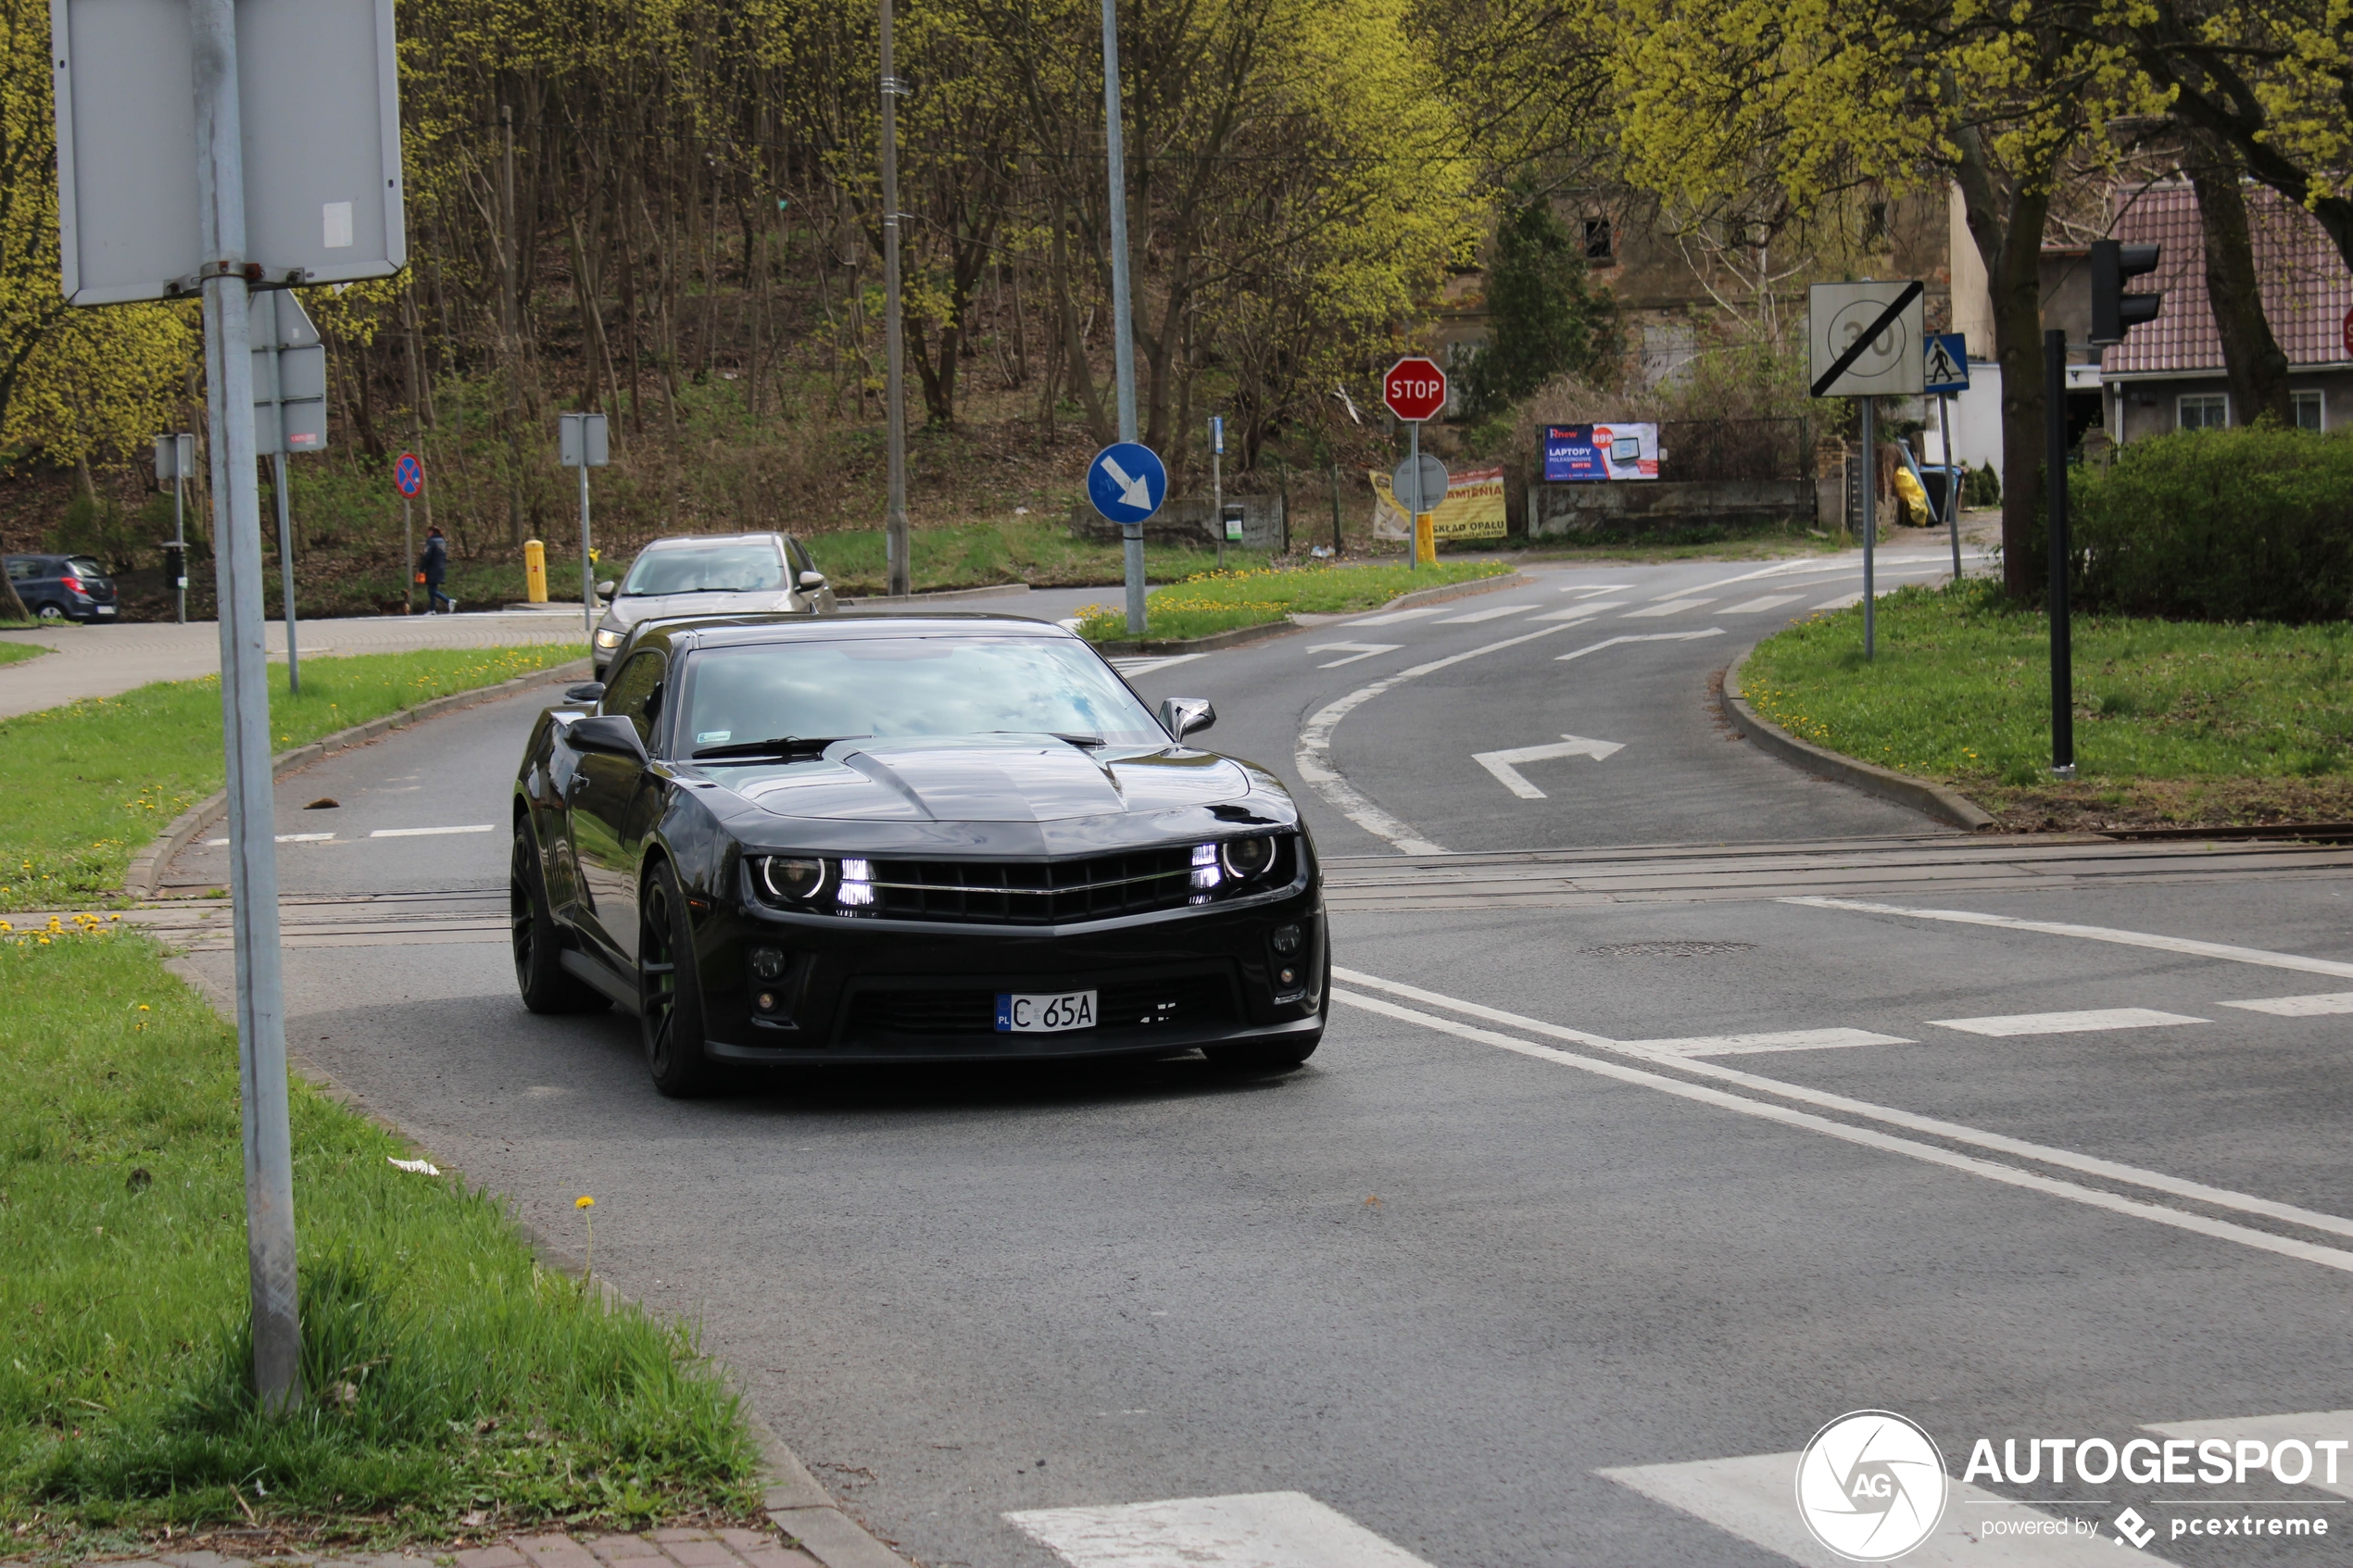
x,y
534,571
1425,540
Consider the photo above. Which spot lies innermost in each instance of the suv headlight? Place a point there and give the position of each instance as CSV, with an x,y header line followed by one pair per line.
x,y
606,639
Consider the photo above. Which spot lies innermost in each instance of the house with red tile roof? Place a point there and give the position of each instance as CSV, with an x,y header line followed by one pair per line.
x,y
2168,375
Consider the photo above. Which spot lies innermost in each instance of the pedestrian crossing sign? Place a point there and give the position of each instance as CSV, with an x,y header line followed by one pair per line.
x,y
1947,364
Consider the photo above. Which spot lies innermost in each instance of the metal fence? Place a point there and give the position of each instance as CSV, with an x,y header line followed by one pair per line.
x,y
1732,449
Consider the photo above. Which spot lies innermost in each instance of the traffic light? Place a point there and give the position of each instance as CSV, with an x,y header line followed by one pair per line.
x,y
2114,312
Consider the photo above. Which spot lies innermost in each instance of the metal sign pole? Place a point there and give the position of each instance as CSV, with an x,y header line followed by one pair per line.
x,y
1952,480
1217,487
895,533
2055,465
244,703
587,568
180,539
1413,522
408,554
285,572
1870,523
1122,339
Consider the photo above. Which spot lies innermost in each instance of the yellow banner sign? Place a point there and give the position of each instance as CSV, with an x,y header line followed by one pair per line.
x,y
1472,508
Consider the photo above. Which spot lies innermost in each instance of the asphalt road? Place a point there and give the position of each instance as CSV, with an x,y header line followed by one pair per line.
x,y
1645,1181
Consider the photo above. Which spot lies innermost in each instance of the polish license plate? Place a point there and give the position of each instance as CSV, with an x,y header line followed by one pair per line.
x,y
1020,1012
105,610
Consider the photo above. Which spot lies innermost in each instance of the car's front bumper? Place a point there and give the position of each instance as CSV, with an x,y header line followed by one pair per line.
x,y
909,991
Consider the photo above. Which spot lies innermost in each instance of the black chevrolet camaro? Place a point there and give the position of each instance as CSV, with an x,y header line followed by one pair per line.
x,y
907,839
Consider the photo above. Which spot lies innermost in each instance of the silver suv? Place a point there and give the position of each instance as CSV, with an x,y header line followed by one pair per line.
x,y
702,574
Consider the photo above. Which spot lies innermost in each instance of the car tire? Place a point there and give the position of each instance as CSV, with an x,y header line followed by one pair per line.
x,y
1276,1056
540,975
669,992
51,612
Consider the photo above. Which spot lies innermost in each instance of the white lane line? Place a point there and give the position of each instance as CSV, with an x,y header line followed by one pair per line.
x,y
1492,612
1314,752
2299,1007
429,833
1757,607
1642,637
1248,1530
1354,650
2086,1164
283,839
1673,607
1596,587
2328,1474
1841,601
1394,616
1754,1498
2009,1175
1742,1044
1144,664
1579,612
2190,946
2089,1021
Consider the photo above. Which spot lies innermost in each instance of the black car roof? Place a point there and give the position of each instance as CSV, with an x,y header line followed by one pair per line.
x,y
742,631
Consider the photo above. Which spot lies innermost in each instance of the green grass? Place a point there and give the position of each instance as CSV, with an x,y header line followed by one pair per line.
x,y
84,786
1221,601
15,653
1036,551
450,1375
2175,723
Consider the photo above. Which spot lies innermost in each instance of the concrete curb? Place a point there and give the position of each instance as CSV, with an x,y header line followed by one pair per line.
x,y
1932,799
1239,635
144,877
938,596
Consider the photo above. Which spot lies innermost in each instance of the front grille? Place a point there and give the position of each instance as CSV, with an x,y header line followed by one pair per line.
x,y
1184,1001
1034,892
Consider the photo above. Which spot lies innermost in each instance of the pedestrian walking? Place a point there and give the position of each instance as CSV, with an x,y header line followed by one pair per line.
x,y
432,566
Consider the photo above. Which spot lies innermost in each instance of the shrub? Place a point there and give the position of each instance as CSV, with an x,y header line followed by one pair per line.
x,y
2251,524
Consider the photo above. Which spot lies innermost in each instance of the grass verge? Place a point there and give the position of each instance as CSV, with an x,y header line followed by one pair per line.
x,y
455,1385
1222,601
2177,724
82,787
16,653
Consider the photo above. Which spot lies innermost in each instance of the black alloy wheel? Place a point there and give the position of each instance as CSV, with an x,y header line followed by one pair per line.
x,y
669,995
540,975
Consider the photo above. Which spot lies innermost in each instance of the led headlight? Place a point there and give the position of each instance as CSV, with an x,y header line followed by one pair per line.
x,y
606,639
792,877
1245,857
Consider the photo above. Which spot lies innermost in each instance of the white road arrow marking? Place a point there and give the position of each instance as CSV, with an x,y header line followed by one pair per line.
x,y
1499,763
1132,492
1354,650
1251,1530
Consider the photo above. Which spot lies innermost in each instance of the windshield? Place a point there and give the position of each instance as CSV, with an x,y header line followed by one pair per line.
x,y
733,567
905,686
82,566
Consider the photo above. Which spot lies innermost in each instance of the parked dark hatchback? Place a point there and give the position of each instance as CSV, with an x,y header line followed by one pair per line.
x,y
786,842
63,587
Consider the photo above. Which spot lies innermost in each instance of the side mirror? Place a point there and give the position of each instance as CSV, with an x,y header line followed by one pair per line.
x,y
606,587
587,691
609,734
812,579
1182,715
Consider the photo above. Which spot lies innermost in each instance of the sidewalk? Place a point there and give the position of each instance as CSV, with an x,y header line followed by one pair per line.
x,y
108,660
656,1548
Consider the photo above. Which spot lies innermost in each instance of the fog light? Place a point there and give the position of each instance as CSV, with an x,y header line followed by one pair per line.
x,y
1287,939
857,888
1288,975
768,964
767,1000
1205,873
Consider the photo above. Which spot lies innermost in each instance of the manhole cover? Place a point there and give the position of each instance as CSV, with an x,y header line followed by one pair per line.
x,y
1666,949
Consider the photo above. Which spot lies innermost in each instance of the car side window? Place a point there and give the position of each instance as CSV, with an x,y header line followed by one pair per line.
x,y
20,570
636,694
799,555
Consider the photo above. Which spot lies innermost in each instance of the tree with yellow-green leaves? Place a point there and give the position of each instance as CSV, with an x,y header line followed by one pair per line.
x,y
82,385
1818,99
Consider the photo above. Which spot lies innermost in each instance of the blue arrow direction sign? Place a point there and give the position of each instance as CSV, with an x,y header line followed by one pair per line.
x,y
1127,482
1947,364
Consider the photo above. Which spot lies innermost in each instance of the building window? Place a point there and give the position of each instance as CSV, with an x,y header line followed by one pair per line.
x,y
1597,240
2203,410
2307,405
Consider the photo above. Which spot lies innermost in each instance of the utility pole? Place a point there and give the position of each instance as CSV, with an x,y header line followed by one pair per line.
x,y
244,703
894,336
1123,333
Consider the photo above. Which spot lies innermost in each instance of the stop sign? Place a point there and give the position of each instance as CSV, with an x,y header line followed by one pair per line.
x,y
1414,389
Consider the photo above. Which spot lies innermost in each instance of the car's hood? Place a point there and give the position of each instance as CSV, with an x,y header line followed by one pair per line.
x,y
984,779
629,608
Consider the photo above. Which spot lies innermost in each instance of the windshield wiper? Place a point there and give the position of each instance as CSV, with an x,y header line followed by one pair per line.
x,y
1083,743
783,746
